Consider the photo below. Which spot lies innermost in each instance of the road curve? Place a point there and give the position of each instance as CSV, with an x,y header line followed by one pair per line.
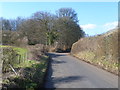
x,y
66,71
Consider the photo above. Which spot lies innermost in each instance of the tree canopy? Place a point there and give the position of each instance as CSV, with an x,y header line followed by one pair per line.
x,y
46,28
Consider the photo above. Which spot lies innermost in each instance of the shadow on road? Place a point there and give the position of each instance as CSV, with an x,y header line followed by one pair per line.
x,y
58,62
48,80
68,79
51,81
54,55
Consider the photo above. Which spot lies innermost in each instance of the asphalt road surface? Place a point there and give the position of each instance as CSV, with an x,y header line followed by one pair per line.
x,y
66,71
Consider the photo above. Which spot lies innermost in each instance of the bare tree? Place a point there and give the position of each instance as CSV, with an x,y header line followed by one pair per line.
x,y
69,30
67,12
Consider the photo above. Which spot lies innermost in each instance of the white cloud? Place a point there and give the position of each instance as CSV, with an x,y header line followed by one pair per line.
x,y
88,26
110,25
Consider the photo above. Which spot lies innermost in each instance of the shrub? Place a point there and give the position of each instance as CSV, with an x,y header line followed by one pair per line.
x,y
12,56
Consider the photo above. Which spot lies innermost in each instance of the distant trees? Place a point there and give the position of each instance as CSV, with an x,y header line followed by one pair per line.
x,y
69,30
46,28
10,31
6,24
39,28
11,37
46,22
11,24
67,13
32,31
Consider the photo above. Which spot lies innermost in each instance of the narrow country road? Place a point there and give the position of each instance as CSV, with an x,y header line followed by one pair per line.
x,y
66,71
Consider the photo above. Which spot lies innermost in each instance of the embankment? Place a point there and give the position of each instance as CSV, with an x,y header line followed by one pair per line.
x,y
100,50
24,68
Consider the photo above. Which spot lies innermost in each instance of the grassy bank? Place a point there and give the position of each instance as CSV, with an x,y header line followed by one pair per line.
x,y
13,56
100,50
30,73
89,57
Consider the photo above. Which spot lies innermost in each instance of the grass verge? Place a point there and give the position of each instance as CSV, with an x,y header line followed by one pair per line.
x,y
31,75
101,62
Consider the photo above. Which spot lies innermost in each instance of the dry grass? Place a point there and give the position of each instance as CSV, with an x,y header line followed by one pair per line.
x,y
101,50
